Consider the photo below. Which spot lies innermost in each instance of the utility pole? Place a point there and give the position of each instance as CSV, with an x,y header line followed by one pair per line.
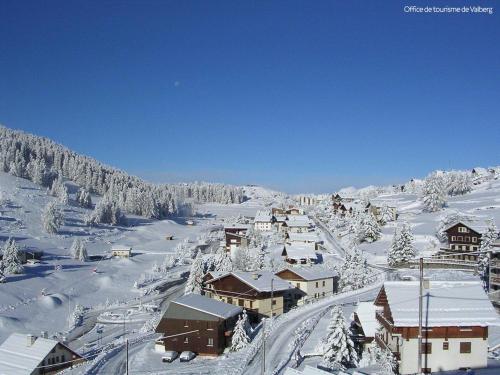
x,y
272,297
421,268
126,344
263,367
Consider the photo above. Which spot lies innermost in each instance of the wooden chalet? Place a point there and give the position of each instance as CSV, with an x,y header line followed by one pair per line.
x,y
251,291
463,238
198,324
236,236
456,316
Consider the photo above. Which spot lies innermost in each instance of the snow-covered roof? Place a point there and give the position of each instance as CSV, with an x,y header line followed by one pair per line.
x,y
300,252
307,370
478,226
313,273
298,221
259,280
208,305
366,315
237,226
303,237
263,216
19,358
445,303
280,217
120,247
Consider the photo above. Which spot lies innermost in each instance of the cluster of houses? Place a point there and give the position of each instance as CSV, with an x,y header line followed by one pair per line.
x,y
204,323
455,320
348,207
283,220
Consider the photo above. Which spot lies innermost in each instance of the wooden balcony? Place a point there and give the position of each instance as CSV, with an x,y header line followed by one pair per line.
x,y
381,343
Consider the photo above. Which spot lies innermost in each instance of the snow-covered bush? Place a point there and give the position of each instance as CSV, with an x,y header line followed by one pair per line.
x,y
195,280
106,212
458,183
354,272
83,198
76,318
487,239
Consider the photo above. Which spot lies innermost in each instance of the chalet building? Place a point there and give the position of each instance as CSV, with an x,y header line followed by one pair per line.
x,y
339,209
31,355
299,254
280,221
364,323
297,224
198,324
252,291
294,211
278,211
121,251
263,221
377,210
336,198
310,282
308,238
236,236
456,316
463,238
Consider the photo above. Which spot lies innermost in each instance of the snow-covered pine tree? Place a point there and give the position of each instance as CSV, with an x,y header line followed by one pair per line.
x,y
402,249
487,239
11,260
241,333
83,198
78,250
222,262
354,272
195,280
51,218
385,215
371,228
458,183
338,349
3,278
433,193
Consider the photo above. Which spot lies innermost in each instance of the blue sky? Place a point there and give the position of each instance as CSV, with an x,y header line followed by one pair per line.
x,y
295,95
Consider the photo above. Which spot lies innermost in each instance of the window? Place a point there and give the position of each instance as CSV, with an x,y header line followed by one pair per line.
x,y
298,285
324,283
241,302
323,294
186,323
460,238
317,284
465,347
446,345
463,230
251,304
186,340
274,302
453,238
210,342
229,300
426,348
467,238
63,359
474,239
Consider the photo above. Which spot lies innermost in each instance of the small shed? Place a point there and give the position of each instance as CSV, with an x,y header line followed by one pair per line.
x,y
121,251
169,237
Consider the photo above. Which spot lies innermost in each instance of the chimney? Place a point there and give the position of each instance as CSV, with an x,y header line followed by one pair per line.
x,y
426,284
44,335
30,340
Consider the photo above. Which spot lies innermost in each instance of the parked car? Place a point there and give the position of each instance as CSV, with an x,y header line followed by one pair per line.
x,y
186,356
169,356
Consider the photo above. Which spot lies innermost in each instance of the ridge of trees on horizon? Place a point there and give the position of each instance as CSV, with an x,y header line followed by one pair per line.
x,y
44,162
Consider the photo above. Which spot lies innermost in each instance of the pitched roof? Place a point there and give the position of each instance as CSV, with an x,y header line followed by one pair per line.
x,y
303,237
477,226
259,280
446,303
365,312
263,216
121,247
312,273
300,252
17,358
207,305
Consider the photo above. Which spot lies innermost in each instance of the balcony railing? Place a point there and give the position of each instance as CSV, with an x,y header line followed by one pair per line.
x,y
380,342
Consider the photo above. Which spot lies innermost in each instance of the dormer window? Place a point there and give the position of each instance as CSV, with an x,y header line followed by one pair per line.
x,y
463,230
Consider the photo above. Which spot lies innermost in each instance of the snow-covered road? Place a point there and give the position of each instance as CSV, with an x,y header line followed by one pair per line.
x,y
277,344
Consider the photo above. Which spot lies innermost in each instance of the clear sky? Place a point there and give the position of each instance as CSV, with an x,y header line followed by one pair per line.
x,y
295,95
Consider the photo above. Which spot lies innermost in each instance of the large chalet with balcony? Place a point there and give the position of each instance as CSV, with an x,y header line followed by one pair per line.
x,y
456,316
463,238
261,293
